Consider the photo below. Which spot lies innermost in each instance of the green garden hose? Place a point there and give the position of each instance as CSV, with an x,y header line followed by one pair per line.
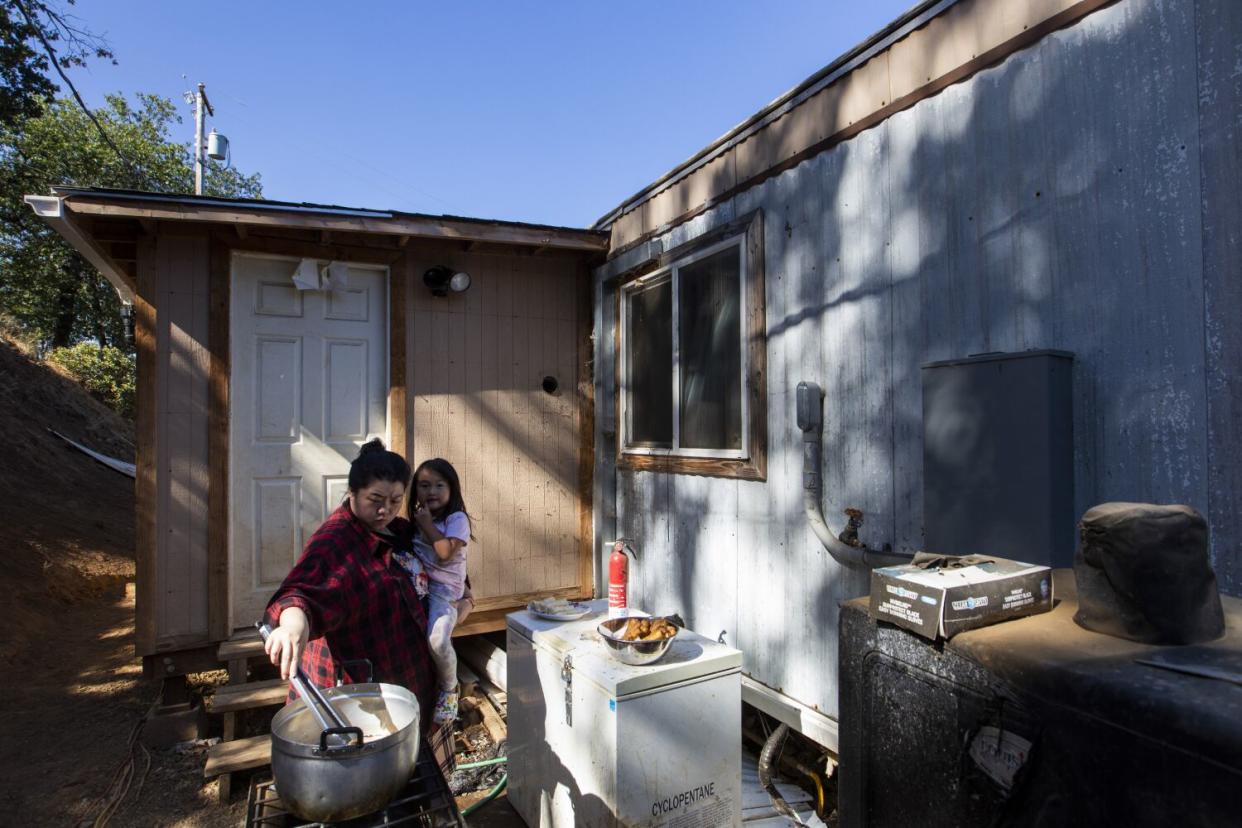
x,y
484,763
492,794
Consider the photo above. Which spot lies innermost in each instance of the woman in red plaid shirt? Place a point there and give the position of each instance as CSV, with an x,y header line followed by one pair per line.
x,y
346,602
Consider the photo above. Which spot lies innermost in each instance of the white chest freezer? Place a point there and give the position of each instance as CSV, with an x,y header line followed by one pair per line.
x,y
594,742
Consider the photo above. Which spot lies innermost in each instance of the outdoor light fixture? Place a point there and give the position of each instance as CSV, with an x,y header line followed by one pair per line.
x,y
127,320
440,280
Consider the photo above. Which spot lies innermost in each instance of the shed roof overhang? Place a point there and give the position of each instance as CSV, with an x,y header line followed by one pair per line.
x,y
52,209
89,219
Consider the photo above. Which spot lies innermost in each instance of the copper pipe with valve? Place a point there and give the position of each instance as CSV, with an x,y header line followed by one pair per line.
x,y
845,548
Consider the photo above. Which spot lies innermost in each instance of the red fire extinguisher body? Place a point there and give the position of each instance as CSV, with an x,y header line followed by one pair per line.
x,y
618,580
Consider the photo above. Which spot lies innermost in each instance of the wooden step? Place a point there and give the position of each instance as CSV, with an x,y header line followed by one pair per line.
x,y
237,755
245,643
233,697
483,621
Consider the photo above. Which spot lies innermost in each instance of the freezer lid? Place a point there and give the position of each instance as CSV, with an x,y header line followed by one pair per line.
x,y
691,656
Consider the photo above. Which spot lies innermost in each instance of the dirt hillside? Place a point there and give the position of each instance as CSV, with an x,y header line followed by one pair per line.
x,y
74,693
66,522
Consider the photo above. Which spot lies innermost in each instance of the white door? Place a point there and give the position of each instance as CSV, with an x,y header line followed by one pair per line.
x,y
309,386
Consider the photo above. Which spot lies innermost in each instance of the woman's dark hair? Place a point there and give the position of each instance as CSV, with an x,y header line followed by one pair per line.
x,y
374,462
445,469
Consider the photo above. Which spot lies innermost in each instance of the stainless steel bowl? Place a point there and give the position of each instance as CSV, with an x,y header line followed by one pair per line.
x,y
636,653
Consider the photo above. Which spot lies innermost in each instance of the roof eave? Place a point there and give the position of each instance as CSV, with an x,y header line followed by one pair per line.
x,y
154,206
52,210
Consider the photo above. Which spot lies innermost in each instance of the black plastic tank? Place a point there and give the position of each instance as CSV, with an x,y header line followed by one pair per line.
x,y
1115,732
998,456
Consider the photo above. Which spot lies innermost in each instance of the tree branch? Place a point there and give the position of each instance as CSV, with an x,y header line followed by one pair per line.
x,y
38,30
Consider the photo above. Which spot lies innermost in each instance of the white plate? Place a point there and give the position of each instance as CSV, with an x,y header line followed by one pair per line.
x,y
581,612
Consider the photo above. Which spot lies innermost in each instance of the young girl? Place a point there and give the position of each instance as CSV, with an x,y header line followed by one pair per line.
x,y
443,530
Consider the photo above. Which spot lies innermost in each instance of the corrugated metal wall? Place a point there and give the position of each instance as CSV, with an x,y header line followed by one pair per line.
x,y
1083,195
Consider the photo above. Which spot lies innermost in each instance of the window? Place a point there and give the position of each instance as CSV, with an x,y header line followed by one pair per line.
x,y
692,358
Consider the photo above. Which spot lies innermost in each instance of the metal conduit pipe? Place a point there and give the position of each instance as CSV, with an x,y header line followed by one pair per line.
x,y
767,755
849,551
816,777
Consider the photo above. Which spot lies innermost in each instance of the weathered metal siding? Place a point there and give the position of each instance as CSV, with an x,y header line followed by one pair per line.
x,y
1218,25
1053,201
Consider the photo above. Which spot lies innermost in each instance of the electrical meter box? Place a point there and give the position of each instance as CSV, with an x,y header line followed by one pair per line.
x,y
594,742
998,457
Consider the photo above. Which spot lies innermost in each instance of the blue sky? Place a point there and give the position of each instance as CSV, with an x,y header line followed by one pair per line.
x,y
542,112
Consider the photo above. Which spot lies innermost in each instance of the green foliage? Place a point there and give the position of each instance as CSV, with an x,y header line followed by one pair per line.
x,y
29,29
107,373
44,283
24,69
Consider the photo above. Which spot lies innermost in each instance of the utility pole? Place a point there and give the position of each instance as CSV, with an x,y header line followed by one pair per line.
x,y
200,103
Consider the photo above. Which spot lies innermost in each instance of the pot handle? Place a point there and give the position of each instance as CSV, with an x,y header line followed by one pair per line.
x,y
343,732
327,718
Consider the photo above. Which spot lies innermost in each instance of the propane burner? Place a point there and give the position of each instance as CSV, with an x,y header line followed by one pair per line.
x,y
425,802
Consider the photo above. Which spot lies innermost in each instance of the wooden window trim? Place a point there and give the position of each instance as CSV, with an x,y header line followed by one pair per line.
x,y
754,467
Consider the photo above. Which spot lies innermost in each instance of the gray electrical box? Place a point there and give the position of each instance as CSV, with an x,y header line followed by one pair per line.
x,y
998,457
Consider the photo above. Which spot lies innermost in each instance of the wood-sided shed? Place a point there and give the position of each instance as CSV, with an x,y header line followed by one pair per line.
x,y
273,339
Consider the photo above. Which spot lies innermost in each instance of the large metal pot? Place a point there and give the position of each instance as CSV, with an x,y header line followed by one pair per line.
x,y
341,773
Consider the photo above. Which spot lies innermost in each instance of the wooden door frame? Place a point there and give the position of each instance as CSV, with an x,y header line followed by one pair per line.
x,y
221,250
220,288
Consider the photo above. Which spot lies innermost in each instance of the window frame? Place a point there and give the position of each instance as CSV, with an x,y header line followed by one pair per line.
x,y
750,460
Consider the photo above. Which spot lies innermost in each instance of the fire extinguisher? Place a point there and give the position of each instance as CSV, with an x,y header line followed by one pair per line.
x,y
619,578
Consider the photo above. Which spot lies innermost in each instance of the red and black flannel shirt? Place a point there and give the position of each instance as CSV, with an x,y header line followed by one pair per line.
x,y
361,605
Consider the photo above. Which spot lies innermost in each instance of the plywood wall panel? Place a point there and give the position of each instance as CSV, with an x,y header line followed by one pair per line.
x,y
163,481
479,403
568,430
397,410
146,490
182,460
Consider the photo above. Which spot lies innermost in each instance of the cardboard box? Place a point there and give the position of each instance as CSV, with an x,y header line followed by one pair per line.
x,y
941,602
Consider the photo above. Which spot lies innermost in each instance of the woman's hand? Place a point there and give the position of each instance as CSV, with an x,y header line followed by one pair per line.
x,y
284,646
